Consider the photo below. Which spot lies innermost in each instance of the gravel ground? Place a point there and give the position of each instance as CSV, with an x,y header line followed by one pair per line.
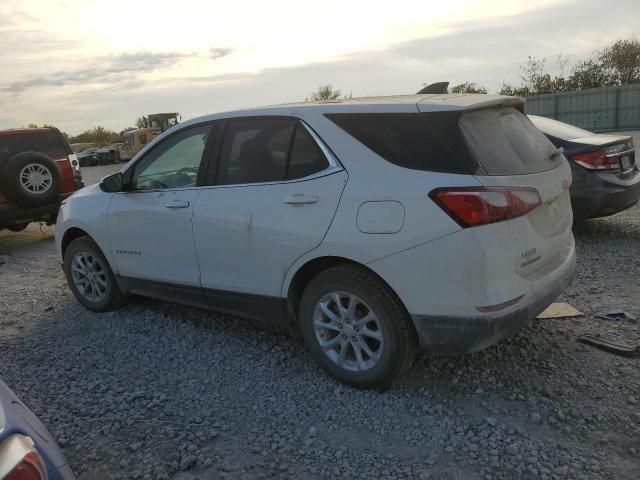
x,y
159,391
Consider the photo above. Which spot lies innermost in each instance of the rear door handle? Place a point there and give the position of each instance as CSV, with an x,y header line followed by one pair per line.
x,y
300,199
177,204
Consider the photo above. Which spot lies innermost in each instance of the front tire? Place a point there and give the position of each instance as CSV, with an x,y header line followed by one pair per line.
x,y
90,277
356,328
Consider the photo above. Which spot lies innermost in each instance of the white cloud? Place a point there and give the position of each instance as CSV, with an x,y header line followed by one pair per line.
x,y
81,64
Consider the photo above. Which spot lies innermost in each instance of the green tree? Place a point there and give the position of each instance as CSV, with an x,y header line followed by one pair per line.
x,y
617,64
141,122
588,74
536,80
325,92
513,91
468,87
621,61
98,135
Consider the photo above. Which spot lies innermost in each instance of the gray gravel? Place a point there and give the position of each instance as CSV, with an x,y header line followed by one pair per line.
x,y
160,391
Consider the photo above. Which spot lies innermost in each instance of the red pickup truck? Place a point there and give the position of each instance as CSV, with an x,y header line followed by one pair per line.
x,y
38,170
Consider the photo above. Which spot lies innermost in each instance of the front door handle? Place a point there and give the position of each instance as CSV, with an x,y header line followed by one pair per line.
x,y
177,204
300,199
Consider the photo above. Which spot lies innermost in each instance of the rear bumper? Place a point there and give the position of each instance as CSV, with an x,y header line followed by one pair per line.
x,y
604,194
13,214
458,335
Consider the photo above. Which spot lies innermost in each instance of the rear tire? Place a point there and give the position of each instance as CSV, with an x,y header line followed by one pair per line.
x,y
370,324
90,277
31,179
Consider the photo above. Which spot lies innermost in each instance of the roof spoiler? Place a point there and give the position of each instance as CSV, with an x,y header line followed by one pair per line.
x,y
516,102
435,88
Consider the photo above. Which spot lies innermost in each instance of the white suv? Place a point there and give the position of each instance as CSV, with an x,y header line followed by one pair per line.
x,y
370,226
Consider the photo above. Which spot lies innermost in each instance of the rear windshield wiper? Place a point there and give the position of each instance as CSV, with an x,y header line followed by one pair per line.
x,y
556,152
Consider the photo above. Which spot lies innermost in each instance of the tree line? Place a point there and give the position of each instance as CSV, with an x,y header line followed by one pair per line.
x,y
98,136
617,64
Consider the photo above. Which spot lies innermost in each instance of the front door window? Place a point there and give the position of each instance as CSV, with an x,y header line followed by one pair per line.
x,y
174,163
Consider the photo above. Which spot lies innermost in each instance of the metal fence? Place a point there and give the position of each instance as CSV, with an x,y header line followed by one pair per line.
x,y
598,109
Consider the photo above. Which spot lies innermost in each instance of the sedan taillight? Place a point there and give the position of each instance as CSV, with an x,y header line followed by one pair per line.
x,y
472,206
596,160
20,460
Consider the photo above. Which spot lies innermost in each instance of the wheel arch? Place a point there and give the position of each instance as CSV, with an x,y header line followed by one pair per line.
x,y
312,268
69,236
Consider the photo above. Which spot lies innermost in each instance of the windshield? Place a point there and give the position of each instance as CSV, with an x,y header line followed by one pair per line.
x,y
558,129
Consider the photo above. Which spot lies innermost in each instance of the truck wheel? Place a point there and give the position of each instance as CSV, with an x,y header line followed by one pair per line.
x,y
356,328
31,179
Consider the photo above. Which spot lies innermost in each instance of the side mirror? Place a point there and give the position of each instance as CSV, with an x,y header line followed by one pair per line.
x,y
113,183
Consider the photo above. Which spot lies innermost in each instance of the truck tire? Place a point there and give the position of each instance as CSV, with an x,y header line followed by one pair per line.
x,y
31,179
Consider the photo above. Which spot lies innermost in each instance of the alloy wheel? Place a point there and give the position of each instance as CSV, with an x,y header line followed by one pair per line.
x,y
348,331
89,277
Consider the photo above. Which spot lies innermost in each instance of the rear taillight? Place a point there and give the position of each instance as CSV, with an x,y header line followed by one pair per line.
x,y
73,160
471,206
20,460
596,160
31,467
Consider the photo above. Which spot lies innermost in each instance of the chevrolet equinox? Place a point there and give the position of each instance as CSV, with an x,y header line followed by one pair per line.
x,y
372,227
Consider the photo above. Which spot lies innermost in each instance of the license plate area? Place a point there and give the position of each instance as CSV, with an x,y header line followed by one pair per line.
x,y
626,162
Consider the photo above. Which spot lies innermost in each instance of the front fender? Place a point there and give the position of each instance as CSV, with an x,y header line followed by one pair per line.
x,y
86,211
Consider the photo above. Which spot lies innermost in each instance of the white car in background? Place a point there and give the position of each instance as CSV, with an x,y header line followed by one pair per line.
x,y
370,226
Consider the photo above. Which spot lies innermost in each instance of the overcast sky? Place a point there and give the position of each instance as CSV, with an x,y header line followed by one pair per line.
x,y
77,63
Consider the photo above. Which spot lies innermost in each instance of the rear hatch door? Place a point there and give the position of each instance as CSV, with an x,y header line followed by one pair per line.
x,y
512,152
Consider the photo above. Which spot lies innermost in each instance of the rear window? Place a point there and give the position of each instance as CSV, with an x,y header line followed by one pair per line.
x,y
505,142
430,142
558,129
48,143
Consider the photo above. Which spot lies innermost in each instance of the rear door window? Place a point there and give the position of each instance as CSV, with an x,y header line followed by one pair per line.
x,y
505,142
258,150
255,150
48,143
